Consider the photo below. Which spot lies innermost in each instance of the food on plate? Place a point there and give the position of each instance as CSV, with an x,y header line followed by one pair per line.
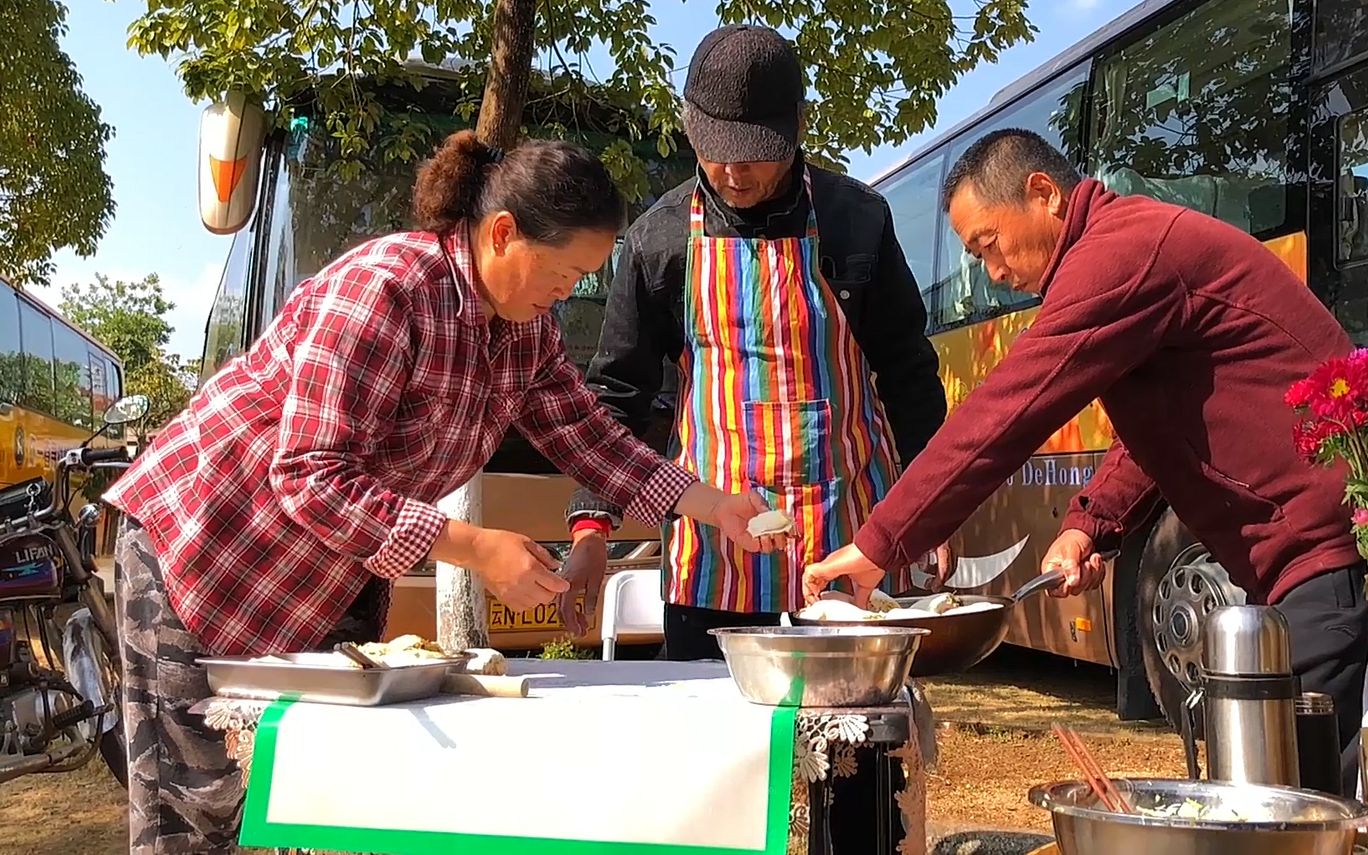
x,y
973,607
396,653
836,610
881,602
770,522
483,660
404,650
942,603
906,614
1192,809
839,607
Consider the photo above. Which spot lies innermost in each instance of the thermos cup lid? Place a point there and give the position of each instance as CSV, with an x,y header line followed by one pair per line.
x,y
1246,641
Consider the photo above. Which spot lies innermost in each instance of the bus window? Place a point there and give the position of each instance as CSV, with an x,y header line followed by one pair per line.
x,y
282,274
72,367
1197,114
581,316
1353,188
113,380
223,335
99,396
11,358
914,198
963,293
35,336
1341,32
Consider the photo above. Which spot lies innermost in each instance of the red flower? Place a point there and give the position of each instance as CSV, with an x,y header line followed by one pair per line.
x,y
1299,394
1336,390
1310,434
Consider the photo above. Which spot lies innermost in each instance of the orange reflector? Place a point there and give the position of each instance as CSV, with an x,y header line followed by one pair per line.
x,y
226,175
1082,624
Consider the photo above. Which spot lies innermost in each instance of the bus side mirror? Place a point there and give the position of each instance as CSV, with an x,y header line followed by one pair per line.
x,y
232,134
128,409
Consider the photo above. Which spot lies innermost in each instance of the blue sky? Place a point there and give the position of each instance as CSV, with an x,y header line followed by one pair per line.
x,y
152,158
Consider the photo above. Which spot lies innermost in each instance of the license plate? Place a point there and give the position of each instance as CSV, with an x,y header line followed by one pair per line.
x,y
504,619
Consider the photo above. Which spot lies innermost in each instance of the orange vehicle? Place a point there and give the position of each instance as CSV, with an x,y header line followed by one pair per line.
x,y
290,214
55,383
1253,111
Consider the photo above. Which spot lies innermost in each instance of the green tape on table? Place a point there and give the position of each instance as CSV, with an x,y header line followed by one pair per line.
x,y
259,829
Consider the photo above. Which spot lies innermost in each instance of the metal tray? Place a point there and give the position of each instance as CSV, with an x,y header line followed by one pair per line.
x,y
320,678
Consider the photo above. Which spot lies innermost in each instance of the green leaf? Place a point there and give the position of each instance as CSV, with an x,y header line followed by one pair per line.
x,y
875,68
54,192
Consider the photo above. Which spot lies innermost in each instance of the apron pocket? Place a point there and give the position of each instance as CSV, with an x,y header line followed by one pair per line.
x,y
788,442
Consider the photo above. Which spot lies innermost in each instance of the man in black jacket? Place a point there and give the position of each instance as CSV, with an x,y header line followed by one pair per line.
x,y
782,294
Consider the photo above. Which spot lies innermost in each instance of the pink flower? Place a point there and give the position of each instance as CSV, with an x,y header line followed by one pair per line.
x,y
1361,516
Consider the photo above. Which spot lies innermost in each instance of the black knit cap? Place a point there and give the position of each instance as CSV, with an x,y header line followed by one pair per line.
x,y
745,93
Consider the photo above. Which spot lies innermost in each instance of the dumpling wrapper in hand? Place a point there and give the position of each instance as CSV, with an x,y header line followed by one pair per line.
x,y
770,522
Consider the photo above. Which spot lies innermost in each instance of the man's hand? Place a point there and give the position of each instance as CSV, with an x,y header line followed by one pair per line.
x,y
945,565
732,511
584,569
846,561
1074,553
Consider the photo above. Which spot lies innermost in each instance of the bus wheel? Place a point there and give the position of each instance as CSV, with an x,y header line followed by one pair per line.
x,y
1180,583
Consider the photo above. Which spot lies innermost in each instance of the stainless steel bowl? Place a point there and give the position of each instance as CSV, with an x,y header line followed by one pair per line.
x,y
815,666
1272,820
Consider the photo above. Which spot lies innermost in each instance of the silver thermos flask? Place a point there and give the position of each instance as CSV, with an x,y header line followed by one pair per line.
x,y
1249,697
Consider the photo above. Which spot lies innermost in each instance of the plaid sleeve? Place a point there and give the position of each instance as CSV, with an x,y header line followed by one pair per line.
x,y
350,365
565,421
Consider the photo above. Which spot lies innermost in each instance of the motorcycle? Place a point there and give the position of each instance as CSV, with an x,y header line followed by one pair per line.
x,y
59,702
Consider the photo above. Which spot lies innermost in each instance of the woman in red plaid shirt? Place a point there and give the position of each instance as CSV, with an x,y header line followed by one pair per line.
x,y
272,515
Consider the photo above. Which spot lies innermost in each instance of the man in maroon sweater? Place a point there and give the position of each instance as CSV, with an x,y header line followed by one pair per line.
x,y
1189,331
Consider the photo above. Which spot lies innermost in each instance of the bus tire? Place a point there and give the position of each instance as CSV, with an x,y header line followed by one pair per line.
x,y
1134,699
1179,583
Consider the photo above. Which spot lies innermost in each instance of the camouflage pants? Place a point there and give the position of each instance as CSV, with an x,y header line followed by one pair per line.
x,y
184,793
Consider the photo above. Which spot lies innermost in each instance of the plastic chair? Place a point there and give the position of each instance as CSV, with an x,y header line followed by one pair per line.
x,y
632,603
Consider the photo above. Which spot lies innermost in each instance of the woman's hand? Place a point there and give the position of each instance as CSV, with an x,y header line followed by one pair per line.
x,y
584,571
513,567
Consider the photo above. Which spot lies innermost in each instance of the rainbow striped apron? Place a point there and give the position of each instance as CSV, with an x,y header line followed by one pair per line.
x,y
775,395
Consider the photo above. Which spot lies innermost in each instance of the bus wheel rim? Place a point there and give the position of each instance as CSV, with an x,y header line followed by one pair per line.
x,y
1190,589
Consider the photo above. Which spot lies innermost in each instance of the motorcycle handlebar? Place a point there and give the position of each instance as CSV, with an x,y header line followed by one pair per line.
x,y
103,455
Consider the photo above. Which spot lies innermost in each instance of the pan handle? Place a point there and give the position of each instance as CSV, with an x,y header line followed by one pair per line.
x,y
1044,581
1051,580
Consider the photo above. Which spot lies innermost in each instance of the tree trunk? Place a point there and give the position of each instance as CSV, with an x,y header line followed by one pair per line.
x,y
510,68
461,612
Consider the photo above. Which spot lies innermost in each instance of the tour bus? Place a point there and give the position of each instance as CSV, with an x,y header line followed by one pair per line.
x,y
1253,111
55,384
290,214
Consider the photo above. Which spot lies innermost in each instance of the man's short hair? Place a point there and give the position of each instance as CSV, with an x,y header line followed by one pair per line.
x,y
998,163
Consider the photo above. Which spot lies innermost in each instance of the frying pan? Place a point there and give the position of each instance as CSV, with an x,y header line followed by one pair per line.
x,y
957,642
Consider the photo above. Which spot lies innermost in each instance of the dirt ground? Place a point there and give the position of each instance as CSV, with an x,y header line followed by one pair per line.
x,y
994,746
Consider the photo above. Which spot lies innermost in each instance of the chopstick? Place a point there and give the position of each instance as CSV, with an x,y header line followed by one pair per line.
x,y
1102,786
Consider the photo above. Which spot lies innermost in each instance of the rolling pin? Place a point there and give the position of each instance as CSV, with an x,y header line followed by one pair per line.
x,y
485,685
